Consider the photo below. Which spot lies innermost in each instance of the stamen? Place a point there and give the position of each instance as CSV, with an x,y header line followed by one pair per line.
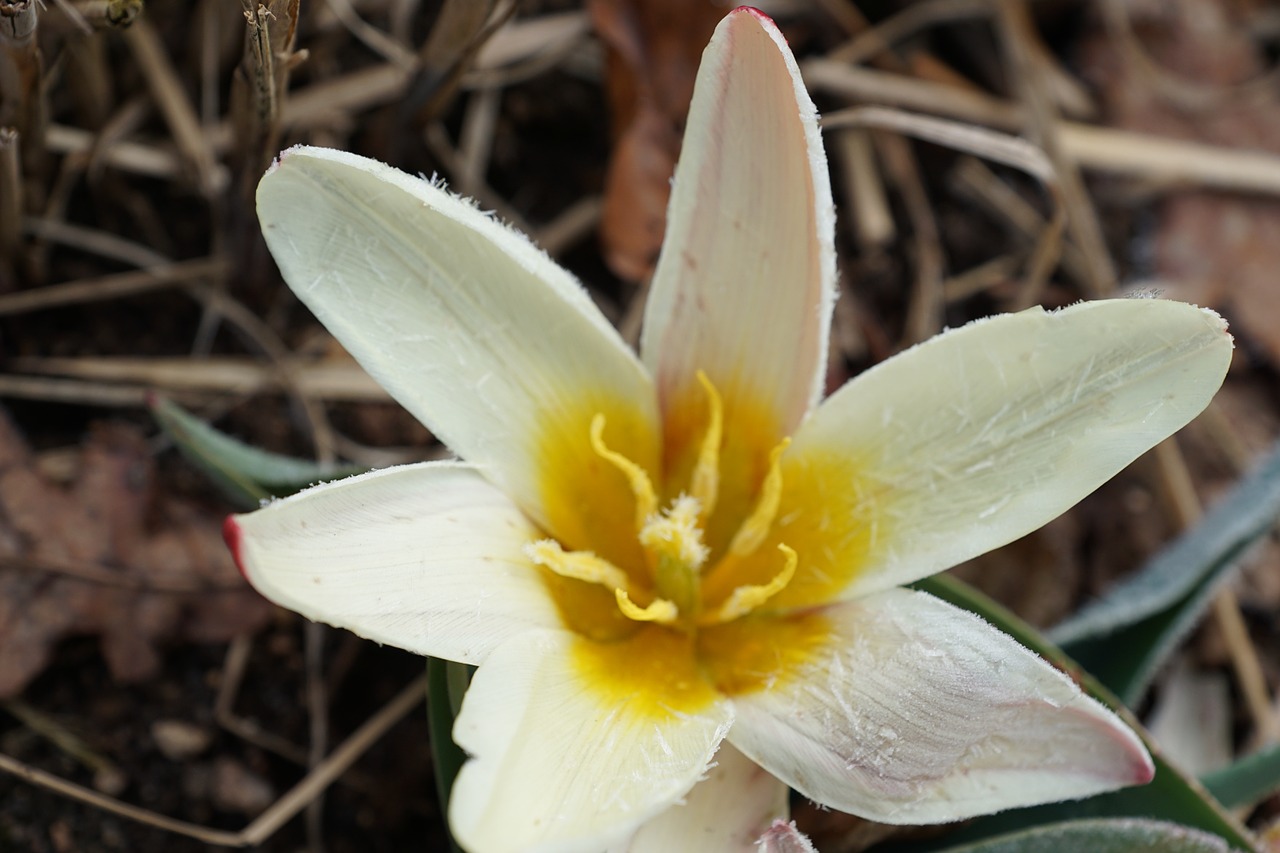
x,y
579,565
756,527
747,598
660,610
674,541
705,483
641,487
675,533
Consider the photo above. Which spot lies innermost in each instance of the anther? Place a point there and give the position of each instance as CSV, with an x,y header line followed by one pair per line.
x,y
579,565
744,599
752,532
641,486
705,482
659,610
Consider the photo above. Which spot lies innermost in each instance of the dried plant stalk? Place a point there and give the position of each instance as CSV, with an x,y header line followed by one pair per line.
x,y
21,101
10,197
258,89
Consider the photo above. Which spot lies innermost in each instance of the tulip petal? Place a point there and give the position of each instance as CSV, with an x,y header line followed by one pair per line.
x,y
983,434
745,284
470,327
727,812
575,744
425,557
916,712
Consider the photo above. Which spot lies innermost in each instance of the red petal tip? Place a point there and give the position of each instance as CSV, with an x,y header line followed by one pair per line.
x,y
234,538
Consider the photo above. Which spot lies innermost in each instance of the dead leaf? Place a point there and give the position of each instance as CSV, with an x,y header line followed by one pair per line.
x,y
106,558
653,51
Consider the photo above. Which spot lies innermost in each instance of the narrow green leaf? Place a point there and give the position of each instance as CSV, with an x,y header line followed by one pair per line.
x,y
446,756
1169,796
245,474
1123,637
1106,835
1247,781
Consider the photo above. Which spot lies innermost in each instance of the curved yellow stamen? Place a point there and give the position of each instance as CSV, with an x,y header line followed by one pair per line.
x,y
659,610
744,599
705,482
579,565
756,527
641,486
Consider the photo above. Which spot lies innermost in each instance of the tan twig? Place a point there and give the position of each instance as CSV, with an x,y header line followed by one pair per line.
x,y
259,84
96,242
870,218
1042,126
21,74
107,776
334,382
233,668
1172,162
1185,506
10,195
982,277
870,43
570,226
171,98
116,286
277,815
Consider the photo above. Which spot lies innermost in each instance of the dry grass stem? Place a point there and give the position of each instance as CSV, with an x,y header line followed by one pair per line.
x,y
870,220
116,286
871,43
10,195
21,76
277,815
259,84
171,98
1173,163
1042,126
240,376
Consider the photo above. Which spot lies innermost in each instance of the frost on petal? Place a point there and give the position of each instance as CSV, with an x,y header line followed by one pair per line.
x,y
916,712
573,747
426,557
983,434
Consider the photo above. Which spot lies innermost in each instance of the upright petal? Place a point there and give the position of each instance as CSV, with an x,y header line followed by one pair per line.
x,y
726,812
916,712
983,434
746,281
475,331
424,557
575,744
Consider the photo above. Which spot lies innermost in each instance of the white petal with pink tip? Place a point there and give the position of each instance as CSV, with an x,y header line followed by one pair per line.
x,y
469,326
917,712
746,281
424,557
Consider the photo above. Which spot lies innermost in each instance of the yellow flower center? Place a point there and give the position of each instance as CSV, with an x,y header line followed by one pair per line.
x,y
680,586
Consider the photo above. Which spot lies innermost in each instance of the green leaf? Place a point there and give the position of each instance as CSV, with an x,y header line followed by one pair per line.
x,y
1247,781
1123,637
1107,835
446,681
246,475
1171,795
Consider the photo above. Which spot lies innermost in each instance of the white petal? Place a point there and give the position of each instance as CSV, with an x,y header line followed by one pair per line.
x,y
727,812
566,761
983,434
424,557
745,284
917,712
474,330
